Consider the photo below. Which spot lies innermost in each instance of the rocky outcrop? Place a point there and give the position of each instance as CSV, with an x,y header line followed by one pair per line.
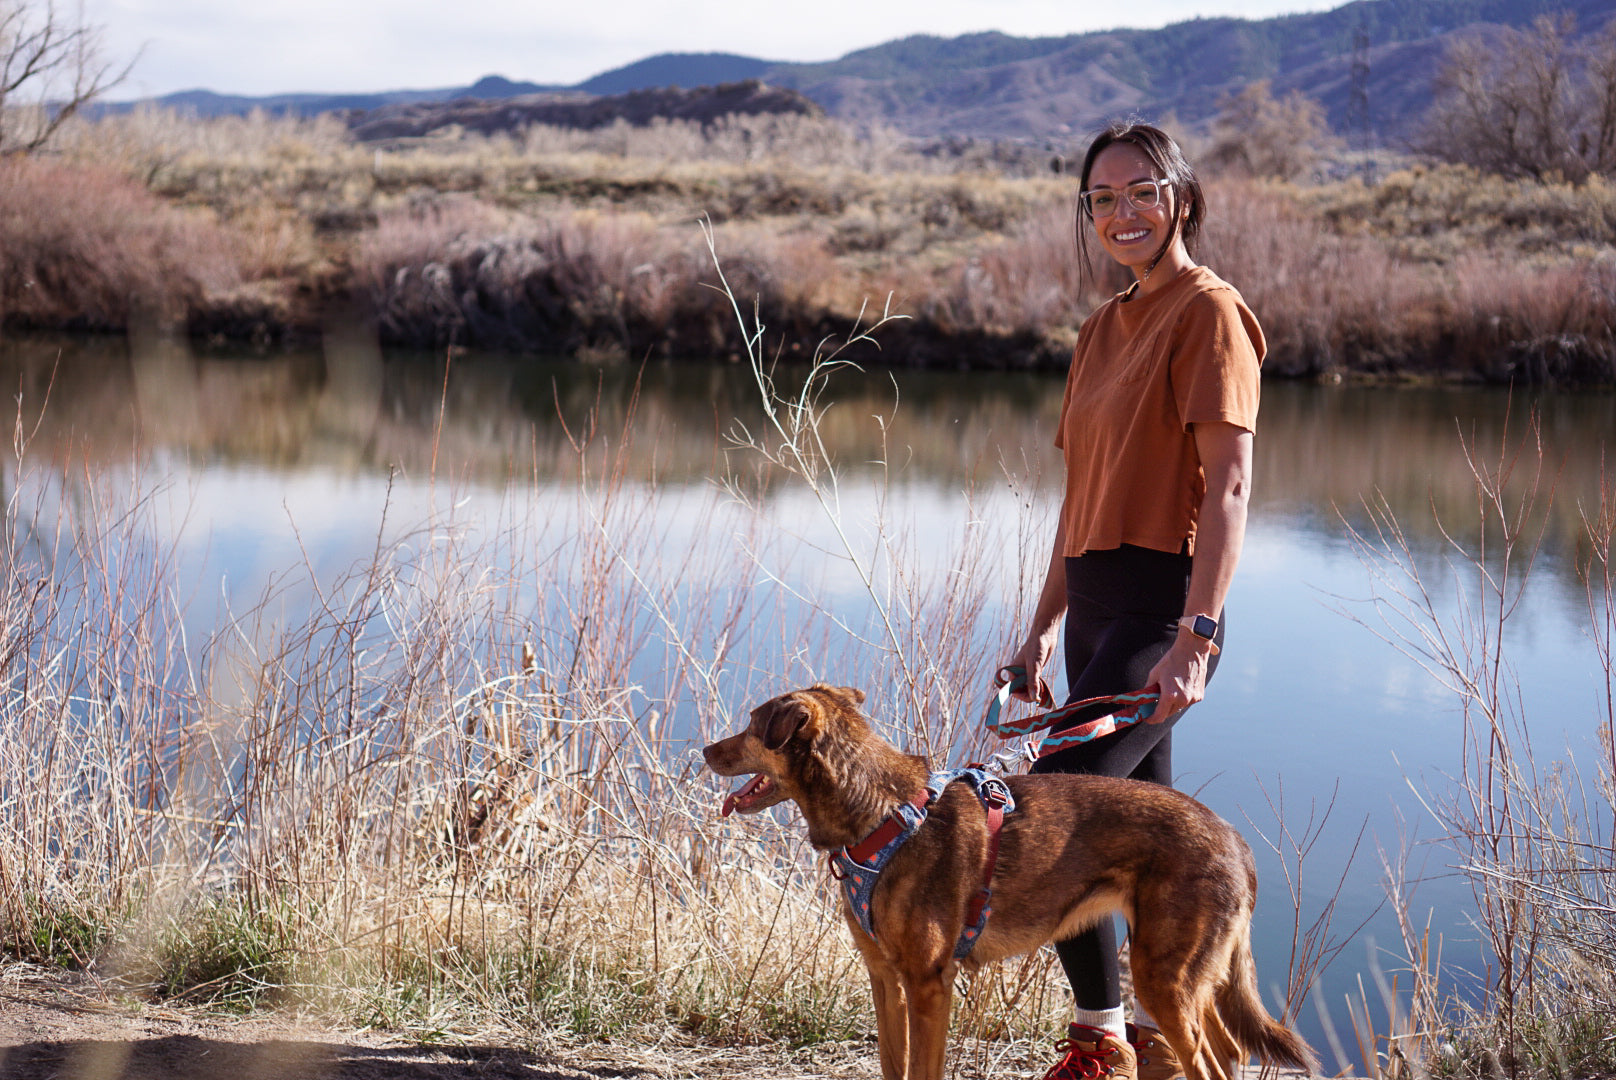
x,y
576,110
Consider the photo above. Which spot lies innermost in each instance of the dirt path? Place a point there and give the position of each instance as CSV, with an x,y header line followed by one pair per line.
x,y
52,1028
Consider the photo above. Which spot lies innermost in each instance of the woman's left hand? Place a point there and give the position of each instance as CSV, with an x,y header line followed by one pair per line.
x,y
1180,676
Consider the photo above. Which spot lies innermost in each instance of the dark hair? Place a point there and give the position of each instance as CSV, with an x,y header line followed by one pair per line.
x,y
1165,155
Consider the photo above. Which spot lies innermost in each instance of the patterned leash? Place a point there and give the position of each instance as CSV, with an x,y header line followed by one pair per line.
x,y
1090,718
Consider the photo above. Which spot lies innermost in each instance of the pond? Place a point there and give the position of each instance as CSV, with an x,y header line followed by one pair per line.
x,y
293,459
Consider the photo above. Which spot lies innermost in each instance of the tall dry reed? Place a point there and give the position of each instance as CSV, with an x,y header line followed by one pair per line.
x,y
1533,829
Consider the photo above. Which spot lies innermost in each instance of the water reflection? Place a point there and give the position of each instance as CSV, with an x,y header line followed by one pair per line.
x,y
353,410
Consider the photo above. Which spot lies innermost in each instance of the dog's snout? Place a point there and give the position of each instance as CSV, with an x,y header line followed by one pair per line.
x,y
722,756
710,754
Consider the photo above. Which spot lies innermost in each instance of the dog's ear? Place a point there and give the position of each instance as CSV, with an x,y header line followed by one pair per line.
x,y
785,715
850,694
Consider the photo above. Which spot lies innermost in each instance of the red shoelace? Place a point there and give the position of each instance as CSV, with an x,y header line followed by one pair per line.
x,y
1084,1060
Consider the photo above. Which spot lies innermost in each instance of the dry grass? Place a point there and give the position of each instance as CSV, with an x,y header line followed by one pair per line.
x,y
1434,214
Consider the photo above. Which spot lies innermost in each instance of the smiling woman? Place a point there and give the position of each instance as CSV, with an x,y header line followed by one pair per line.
x,y
1156,428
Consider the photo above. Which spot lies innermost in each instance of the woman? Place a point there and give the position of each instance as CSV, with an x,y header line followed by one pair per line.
x,y
1156,429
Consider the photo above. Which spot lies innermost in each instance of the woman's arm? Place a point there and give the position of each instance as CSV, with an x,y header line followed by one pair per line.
x,y
1225,452
1036,651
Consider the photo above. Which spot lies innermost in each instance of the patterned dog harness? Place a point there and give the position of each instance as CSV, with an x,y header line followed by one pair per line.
x,y
1087,719
859,867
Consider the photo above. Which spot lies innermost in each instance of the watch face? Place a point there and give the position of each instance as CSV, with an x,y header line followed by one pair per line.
x,y
1204,627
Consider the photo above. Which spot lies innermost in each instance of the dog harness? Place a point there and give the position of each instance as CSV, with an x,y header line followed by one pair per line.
x,y
859,866
1087,719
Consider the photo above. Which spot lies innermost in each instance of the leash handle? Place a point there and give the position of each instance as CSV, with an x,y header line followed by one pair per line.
x,y
1107,712
1007,680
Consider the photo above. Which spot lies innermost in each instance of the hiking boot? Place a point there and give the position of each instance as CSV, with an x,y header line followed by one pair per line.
x,y
1091,1053
1154,1054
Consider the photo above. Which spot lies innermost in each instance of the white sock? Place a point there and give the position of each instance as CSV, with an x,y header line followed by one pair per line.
x,y
1142,1018
1107,1020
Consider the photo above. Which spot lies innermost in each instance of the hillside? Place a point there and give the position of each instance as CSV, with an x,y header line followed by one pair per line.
x,y
999,86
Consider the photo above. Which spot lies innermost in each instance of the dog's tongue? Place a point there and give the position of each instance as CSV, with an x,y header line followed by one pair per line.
x,y
735,797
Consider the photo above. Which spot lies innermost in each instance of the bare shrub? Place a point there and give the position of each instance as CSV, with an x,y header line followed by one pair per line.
x,y
160,146
1026,284
1534,837
452,271
1329,302
445,273
81,245
809,141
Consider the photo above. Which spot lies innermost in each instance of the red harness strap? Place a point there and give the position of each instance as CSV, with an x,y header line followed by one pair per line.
x,y
887,831
993,803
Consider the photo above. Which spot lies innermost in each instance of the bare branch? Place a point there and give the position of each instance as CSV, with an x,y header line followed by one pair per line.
x,y
1536,102
50,68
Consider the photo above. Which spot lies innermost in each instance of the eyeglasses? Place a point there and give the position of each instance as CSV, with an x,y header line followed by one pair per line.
x,y
1103,202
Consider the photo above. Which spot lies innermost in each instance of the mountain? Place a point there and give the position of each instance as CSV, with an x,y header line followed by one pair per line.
x,y
678,69
996,85
497,87
207,103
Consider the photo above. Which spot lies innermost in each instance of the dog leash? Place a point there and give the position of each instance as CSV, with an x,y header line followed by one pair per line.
x,y
1090,718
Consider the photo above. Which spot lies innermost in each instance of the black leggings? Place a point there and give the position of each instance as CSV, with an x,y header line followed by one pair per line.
x,y
1122,613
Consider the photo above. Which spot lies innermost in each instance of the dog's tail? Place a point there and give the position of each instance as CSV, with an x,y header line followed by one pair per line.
x,y
1249,1023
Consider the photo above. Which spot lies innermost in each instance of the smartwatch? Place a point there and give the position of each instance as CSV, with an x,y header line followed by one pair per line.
x,y
1202,626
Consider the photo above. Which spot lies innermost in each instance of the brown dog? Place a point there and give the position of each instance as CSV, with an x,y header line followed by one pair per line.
x,y
1075,848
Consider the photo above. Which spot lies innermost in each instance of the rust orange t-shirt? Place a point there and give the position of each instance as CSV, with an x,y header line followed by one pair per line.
x,y
1144,373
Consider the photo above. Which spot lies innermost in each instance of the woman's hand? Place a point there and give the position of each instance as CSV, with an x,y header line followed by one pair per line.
x,y
1033,657
1180,676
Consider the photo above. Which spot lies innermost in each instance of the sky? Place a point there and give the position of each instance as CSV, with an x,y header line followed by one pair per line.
x,y
256,48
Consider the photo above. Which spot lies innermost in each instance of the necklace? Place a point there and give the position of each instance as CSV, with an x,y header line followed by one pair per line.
x,y
1135,289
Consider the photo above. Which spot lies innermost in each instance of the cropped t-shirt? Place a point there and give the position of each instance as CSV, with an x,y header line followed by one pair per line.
x,y
1144,373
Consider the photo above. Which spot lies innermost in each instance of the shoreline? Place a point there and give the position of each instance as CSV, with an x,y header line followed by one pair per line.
x,y
897,346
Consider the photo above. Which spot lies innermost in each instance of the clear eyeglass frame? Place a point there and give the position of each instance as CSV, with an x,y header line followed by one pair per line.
x,y
1103,202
